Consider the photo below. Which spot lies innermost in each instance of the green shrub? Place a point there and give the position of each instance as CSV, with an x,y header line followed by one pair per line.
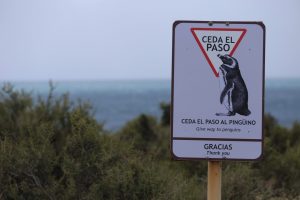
x,y
165,118
140,132
52,148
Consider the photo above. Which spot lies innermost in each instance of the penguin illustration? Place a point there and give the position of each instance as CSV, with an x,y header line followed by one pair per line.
x,y
234,95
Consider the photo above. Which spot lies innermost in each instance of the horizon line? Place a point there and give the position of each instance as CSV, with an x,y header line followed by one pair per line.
x,y
118,79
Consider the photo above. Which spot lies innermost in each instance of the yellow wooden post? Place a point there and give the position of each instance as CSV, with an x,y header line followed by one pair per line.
x,y
214,180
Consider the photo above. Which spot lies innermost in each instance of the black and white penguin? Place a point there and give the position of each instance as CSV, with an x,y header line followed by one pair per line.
x,y
234,95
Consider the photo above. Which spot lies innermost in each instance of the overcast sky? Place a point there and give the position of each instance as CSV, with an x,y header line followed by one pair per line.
x,y
96,39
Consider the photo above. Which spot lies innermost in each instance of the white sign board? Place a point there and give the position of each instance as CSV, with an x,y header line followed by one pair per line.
x,y
217,90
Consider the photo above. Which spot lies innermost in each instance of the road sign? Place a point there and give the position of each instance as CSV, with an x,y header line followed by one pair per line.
x,y
217,90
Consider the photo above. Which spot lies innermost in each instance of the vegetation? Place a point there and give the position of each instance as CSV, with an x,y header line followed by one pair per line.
x,y
54,149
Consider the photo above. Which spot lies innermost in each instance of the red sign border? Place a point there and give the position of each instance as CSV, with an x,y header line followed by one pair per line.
x,y
217,29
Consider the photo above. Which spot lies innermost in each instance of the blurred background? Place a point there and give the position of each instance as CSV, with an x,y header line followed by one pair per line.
x,y
118,54
85,92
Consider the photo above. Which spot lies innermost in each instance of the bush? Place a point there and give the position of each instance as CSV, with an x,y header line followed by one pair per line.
x,y
53,148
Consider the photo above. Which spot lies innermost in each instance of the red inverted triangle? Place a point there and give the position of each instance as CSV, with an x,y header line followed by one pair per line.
x,y
217,29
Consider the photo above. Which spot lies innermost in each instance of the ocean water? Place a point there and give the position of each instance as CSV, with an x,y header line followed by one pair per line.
x,y
117,102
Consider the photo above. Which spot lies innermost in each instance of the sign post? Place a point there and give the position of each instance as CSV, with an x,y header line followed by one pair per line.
x,y
217,94
214,177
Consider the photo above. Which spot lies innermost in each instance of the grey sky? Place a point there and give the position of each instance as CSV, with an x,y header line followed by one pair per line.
x,y
95,39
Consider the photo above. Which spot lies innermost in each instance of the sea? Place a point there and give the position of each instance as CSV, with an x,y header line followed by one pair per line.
x,y
115,102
